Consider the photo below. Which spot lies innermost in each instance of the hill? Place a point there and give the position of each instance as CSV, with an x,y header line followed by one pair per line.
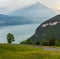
x,y
6,20
47,30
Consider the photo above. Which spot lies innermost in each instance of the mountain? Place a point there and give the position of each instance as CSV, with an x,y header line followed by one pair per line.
x,y
47,29
6,20
37,12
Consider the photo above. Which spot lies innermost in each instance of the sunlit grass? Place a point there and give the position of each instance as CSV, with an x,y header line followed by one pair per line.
x,y
8,51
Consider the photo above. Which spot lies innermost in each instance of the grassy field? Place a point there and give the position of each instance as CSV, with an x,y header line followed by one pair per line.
x,y
8,51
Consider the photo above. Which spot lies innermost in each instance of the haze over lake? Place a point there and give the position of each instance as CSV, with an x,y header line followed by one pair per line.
x,y
21,32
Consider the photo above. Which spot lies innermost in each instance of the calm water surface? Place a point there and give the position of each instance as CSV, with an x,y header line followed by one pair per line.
x,y
21,32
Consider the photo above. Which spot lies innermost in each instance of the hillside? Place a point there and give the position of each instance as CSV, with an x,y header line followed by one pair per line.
x,y
47,30
6,20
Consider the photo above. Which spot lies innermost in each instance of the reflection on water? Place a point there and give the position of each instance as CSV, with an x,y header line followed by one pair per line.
x,y
21,32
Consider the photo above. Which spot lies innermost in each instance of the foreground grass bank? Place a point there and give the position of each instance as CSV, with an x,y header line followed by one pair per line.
x,y
8,51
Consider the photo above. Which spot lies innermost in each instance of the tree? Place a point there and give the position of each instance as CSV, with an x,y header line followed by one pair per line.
x,y
10,38
52,41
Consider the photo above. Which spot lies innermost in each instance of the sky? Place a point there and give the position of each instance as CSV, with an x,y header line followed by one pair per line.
x,y
7,6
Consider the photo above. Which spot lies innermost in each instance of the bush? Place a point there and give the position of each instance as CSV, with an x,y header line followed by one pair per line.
x,y
57,43
37,43
27,42
45,43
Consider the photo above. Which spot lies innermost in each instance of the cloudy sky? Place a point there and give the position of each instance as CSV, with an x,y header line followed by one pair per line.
x,y
7,6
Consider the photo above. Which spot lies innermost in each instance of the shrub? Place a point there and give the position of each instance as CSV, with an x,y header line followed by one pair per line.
x,y
57,43
37,43
45,43
27,42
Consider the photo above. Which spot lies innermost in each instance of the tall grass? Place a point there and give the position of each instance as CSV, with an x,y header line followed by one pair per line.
x,y
8,51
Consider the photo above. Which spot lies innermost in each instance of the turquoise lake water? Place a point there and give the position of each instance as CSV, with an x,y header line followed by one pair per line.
x,y
21,32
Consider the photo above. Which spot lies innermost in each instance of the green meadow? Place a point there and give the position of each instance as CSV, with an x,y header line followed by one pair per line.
x,y
13,51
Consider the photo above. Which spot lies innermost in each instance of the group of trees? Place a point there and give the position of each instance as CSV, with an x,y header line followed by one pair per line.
x,y
52,42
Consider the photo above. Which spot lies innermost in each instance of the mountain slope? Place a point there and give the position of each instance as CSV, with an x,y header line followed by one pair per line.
x,y
47,29
6,20
37,12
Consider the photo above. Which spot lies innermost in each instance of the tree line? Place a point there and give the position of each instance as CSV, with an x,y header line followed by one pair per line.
x,y
51,42
44,42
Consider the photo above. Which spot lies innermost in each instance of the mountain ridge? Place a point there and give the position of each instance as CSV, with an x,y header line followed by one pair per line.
x,y
6,20
36,11
46,32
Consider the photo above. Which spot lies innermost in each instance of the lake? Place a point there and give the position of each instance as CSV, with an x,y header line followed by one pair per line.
x,y
21,32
